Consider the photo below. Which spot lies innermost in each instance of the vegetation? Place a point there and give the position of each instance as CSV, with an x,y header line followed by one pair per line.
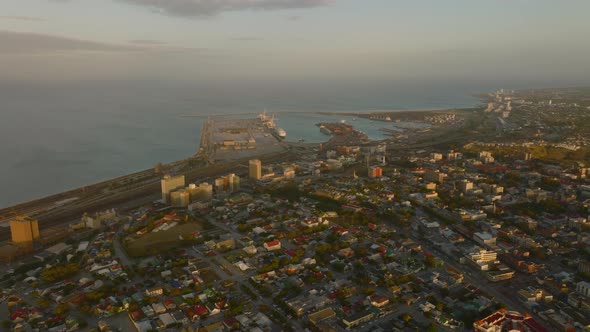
x,y
533,209
548,153
59,272
152,243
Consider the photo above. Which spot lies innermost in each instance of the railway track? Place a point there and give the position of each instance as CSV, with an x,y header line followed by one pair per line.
x,y
103,198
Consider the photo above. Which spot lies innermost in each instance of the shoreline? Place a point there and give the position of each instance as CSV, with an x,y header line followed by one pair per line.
x,y
49,202
352,113
398,110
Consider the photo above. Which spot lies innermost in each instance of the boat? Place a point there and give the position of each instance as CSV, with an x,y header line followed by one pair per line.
x,y
301,140
269,122
280,132
325,130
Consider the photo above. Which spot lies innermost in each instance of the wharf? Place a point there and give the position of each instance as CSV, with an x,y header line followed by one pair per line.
x,y
343,134
231,139
336,128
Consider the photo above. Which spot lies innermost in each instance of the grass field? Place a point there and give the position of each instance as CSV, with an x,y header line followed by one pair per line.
x,y
154,243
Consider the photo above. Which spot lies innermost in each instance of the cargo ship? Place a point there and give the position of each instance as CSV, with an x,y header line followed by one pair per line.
x,y
269,122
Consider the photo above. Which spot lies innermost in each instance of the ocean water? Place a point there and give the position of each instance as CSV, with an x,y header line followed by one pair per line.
x,y
59,136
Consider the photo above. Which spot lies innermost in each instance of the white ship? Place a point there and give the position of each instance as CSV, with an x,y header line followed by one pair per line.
x,y
280,132
325,130
269,122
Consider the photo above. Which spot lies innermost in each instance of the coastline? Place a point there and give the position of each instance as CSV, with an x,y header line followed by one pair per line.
x,y
48,201
397,110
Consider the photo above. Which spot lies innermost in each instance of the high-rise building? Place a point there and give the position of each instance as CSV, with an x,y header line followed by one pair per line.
x,y
255,169
24,230
180,198
219,186
200,192
169,184
227,184
232,182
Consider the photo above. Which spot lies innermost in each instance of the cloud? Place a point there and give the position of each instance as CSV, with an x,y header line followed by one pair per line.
x,y
147,42
12,42
202,8
22,18
246,38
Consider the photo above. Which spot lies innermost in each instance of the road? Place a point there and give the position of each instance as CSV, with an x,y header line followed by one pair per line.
x,y
476,279
239,277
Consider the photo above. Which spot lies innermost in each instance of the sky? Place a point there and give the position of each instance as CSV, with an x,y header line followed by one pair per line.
x,y
237,40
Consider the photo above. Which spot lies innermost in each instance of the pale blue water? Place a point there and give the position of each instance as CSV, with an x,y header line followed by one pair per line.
x,y
55,137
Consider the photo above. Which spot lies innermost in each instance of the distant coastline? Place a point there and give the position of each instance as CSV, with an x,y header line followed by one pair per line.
x,y
123,127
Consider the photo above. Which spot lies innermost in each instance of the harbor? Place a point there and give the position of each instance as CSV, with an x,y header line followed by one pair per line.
x,y
230,139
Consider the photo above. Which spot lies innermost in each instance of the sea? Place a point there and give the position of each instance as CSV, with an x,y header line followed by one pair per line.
x,y
56,136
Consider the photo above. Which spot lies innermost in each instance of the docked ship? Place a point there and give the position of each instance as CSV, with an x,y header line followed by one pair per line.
x,y
269,122
325,130
280,132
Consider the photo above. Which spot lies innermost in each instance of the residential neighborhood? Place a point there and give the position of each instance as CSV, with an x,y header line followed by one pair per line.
x,y
478,238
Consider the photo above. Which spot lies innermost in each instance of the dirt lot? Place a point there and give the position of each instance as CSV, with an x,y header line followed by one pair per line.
x,y
153,243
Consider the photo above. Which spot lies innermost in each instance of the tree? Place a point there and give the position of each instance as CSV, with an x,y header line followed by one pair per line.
x,y
369,290
62,309
406,317
430,261
59,272
43,303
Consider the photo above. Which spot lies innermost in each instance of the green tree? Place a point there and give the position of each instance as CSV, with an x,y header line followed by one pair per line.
x,y
432,328
62,309
430,261
406,318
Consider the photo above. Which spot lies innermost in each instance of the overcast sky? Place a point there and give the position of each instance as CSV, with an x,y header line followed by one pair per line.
x,y
295,39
